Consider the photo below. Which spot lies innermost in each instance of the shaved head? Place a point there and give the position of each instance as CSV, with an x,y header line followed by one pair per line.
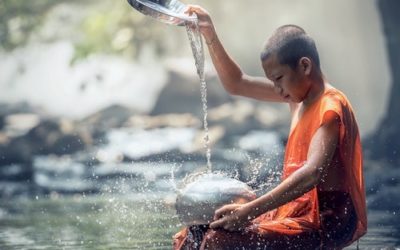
x,y
290,43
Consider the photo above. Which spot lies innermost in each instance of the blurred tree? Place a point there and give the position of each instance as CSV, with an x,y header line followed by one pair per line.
x,y
107,27
115,28
18,18
385,143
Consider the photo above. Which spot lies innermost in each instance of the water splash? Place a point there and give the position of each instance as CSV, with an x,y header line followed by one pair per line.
x,y
196,44
172,178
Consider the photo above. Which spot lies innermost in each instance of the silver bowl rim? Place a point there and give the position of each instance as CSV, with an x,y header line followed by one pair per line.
x,y
153,9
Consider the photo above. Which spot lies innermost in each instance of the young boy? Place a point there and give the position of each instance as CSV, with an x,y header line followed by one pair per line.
x,y
320,203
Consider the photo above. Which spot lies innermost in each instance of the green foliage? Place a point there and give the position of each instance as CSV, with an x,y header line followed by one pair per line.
x,y
19,18
114,27
105,26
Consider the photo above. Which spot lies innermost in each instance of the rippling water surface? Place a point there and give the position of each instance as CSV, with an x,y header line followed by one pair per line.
x,y
135,222
86,223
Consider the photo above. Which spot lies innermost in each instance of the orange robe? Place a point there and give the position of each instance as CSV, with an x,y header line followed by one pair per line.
x,y
302,215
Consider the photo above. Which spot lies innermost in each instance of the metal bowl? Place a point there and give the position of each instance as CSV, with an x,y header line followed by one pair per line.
x,y
197,202
167,11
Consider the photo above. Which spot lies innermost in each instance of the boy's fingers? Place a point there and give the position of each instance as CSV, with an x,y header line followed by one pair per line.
x,y
190,9
194,9
220,212
217,224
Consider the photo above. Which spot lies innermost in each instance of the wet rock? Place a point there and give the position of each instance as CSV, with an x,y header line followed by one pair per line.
x,y
17,118
271,116
20,124
19,107
57,137
182,92
241,116
235,117
163,121
2,122
379,175
16,172
4,139
68,144
386,199
48,137
44,135
15,151
382,182
113,116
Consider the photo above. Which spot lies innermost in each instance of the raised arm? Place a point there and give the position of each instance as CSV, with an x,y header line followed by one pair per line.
x,y
322,148
234,80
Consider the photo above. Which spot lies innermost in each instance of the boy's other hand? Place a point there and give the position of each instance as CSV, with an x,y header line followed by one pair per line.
x,y
232,217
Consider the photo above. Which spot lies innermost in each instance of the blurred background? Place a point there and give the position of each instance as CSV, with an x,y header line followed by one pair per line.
x,y
101,114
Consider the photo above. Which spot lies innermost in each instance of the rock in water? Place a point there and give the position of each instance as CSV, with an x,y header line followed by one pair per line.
x,y
198,200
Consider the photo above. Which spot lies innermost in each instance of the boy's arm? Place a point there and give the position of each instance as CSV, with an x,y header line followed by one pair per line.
x,y
322,148
234,80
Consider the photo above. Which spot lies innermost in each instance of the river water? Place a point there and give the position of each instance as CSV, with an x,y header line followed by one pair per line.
x,y
143,220
123,222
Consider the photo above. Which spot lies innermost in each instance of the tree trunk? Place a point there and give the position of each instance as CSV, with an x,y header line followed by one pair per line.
x,y
385,143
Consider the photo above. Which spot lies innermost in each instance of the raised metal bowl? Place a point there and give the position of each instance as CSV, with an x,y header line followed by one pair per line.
x,y
198,200
166,11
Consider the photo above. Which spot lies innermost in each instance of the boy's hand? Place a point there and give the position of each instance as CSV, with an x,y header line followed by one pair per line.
x,y
232,217
204,21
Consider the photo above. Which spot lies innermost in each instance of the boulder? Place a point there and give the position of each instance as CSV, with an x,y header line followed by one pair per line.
x,y
382,181
113,116
17,108
19,117
16,151
162,121
56,137
20,124
241,116
16,172
2,122
182,93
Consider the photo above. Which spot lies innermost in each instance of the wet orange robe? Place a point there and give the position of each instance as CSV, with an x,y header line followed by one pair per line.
x,y
302,214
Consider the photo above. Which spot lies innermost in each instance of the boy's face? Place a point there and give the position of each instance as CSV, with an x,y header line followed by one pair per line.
x,y
291,84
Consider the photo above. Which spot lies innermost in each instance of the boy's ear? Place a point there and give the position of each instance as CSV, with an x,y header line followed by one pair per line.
x,y
305,65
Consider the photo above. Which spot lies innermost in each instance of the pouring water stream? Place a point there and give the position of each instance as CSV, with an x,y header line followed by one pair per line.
x,y
196,44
